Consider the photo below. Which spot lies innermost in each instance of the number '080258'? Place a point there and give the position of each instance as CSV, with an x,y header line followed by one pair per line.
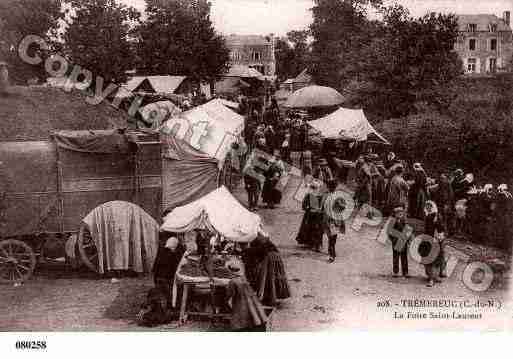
x,y
31,345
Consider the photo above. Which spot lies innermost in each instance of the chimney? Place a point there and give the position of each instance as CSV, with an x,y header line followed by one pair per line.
x,y
507,17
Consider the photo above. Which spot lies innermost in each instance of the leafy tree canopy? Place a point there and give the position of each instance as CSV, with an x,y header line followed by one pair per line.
x,y
97,37
178,38
20,18
292,54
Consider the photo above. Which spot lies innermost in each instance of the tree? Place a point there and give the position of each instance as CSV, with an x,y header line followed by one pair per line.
x,y
292,54
20,18
178,38
411,63
97,38
339,29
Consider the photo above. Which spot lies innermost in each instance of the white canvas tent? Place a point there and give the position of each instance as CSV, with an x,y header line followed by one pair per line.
x,y
210,128
346,124
218,211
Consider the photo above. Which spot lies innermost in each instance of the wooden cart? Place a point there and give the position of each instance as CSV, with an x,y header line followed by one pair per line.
x,y
47,189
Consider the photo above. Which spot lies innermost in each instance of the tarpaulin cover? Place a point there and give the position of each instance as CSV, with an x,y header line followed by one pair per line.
x,y
210,128
346,124
100,141
155,113
219,212
187,174
125,235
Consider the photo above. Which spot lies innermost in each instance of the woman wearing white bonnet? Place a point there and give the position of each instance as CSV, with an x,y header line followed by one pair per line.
x,y
172,243
169,256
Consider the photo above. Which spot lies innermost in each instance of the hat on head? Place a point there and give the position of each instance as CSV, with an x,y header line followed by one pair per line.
x,y
469,177
398,209
315,184
371,156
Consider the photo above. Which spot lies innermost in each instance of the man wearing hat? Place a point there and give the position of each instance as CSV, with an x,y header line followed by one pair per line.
x,y
397,195
322,172
399,236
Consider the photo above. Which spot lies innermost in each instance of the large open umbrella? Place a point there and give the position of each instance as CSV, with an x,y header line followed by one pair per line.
x,y
314,96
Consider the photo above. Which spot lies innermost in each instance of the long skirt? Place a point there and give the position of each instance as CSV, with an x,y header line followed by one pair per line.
x,y
270,194
310,231
417,200
272,283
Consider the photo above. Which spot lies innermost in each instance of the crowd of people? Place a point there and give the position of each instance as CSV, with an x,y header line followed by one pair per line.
x,y
465,209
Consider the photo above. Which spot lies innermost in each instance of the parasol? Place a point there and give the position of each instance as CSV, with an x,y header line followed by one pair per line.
x,y
314,96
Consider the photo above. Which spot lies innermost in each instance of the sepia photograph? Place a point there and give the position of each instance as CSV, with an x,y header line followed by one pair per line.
x,y
255,166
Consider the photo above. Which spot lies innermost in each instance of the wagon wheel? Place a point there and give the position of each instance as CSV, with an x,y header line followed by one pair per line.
x,y
17,261
87,249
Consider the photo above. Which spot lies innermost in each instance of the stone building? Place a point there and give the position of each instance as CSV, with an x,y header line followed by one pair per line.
x,y
485,43
253,51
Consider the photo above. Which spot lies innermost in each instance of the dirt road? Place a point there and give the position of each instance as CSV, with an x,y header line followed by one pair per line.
x,y
355,292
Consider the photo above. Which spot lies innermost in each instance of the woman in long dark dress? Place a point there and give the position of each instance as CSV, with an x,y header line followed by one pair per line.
x,y
310,231
270,194
265,270
418,192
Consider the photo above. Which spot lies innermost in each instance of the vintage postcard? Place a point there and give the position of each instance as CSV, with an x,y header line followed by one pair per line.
x,y
255,166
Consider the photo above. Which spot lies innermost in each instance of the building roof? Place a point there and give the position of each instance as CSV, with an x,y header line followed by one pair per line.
x,y
303,77
244,71
482,21
247,40
161,84
33,113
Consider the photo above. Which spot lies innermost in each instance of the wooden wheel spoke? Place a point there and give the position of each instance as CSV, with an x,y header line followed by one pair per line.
x,y
24,261
22,266
19,273
10,251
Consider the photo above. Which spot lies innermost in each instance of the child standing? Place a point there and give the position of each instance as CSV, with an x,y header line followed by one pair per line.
x,y
333,207
434,247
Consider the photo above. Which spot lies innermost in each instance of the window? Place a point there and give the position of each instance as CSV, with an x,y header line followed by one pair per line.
x,y
471,65
493,65
257,56
472,27
493,27
472,44
493,44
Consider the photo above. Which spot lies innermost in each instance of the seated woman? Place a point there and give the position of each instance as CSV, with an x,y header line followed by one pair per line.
x,y
169,255
265,270
153,311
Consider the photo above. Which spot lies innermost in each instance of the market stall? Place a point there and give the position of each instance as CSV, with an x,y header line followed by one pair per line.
x,y
346,134
223,217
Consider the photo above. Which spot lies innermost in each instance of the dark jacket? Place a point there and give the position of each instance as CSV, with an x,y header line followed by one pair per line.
x,y
167,261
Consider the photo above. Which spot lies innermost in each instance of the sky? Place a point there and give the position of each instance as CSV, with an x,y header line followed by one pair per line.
x,y
262,17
